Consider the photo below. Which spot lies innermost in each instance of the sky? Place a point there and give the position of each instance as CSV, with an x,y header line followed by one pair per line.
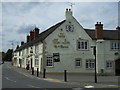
x,y
18,18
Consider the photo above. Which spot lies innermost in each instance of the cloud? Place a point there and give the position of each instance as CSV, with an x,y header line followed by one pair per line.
x,y
21,17
25,29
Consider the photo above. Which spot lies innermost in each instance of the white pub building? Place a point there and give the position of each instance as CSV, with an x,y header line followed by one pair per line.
x,y
67,46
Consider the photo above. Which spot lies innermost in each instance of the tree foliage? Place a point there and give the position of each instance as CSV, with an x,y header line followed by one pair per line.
x,y
8,55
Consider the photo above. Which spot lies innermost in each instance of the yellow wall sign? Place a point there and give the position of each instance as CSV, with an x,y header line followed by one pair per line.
x,y
61,44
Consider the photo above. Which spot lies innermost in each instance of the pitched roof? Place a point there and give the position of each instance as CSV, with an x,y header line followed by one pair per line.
x,y
107,34
41,36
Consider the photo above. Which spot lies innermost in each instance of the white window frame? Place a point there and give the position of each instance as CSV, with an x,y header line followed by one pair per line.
x,y
82,44
109,64
78,62
115,45
49,61
36,48
90,64
36,61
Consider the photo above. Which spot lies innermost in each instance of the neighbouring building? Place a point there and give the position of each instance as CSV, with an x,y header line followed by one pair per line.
x,y
68,46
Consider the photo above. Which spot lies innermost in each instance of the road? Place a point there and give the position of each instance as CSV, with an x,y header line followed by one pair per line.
x,y
13,79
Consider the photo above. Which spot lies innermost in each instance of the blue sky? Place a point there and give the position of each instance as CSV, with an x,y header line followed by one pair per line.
x,y
18,18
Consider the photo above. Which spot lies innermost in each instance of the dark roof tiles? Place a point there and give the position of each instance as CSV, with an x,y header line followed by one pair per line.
x,y
41,36
107,34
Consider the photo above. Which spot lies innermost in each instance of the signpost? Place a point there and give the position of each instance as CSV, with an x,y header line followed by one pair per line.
x,y
94,52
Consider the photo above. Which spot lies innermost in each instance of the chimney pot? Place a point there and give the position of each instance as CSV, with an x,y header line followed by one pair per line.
x,y
68,14
17,47
99,30
31,35
28,38
36,32
22,43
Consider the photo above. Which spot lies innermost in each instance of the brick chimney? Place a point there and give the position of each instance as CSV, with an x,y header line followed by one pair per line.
x,y
117,28
68,14
36,32
99,30
22,43
28,38
31,35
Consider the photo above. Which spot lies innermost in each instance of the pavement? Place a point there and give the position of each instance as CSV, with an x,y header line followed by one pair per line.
x,y
85,81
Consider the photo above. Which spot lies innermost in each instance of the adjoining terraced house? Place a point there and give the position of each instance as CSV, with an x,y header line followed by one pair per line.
x,y
67,46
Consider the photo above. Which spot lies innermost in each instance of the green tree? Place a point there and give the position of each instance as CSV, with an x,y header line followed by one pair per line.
x,y
8,55
3,56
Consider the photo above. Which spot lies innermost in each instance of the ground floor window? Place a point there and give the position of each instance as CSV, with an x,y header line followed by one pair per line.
x,y
36,61
78,62
49,61
90,63
109,64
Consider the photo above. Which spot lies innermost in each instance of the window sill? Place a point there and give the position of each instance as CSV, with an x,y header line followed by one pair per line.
x,y
78,66
49,66
82,49
89,68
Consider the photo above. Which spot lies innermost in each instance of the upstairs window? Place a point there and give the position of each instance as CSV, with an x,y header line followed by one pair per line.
x,y
82,45
115,45
36,61
36,48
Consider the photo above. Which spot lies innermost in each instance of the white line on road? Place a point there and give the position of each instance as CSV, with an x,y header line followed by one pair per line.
x,y
10,79
32,86
89,86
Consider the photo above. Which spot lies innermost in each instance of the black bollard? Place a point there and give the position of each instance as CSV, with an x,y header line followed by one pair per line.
x,y
65,75
44,72
32,70
37,72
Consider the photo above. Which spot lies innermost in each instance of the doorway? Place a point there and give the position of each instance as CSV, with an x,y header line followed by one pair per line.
x,y
117,67
31,63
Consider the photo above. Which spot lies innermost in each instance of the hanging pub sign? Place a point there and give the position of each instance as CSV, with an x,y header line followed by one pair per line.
x,y
56,57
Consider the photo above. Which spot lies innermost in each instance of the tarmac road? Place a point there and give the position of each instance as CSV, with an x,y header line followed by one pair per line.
x,y
13,79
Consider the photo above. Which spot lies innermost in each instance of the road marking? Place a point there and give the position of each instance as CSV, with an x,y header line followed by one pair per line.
x,y
32,86
10,79
89,86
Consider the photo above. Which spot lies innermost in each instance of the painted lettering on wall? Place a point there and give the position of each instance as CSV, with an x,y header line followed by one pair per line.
x,y
61,43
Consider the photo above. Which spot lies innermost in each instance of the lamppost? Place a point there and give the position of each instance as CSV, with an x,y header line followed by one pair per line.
x,y
94,53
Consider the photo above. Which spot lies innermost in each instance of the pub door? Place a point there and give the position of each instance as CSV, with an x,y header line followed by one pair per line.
x,y
117,67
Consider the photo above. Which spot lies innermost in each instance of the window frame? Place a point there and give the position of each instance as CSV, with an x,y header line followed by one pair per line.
x,y
84,43
50,61
78,60
109,64
36,48
115,45
36,58
89,64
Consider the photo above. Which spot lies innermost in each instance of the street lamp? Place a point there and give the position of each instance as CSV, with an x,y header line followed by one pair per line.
x,y
94,53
